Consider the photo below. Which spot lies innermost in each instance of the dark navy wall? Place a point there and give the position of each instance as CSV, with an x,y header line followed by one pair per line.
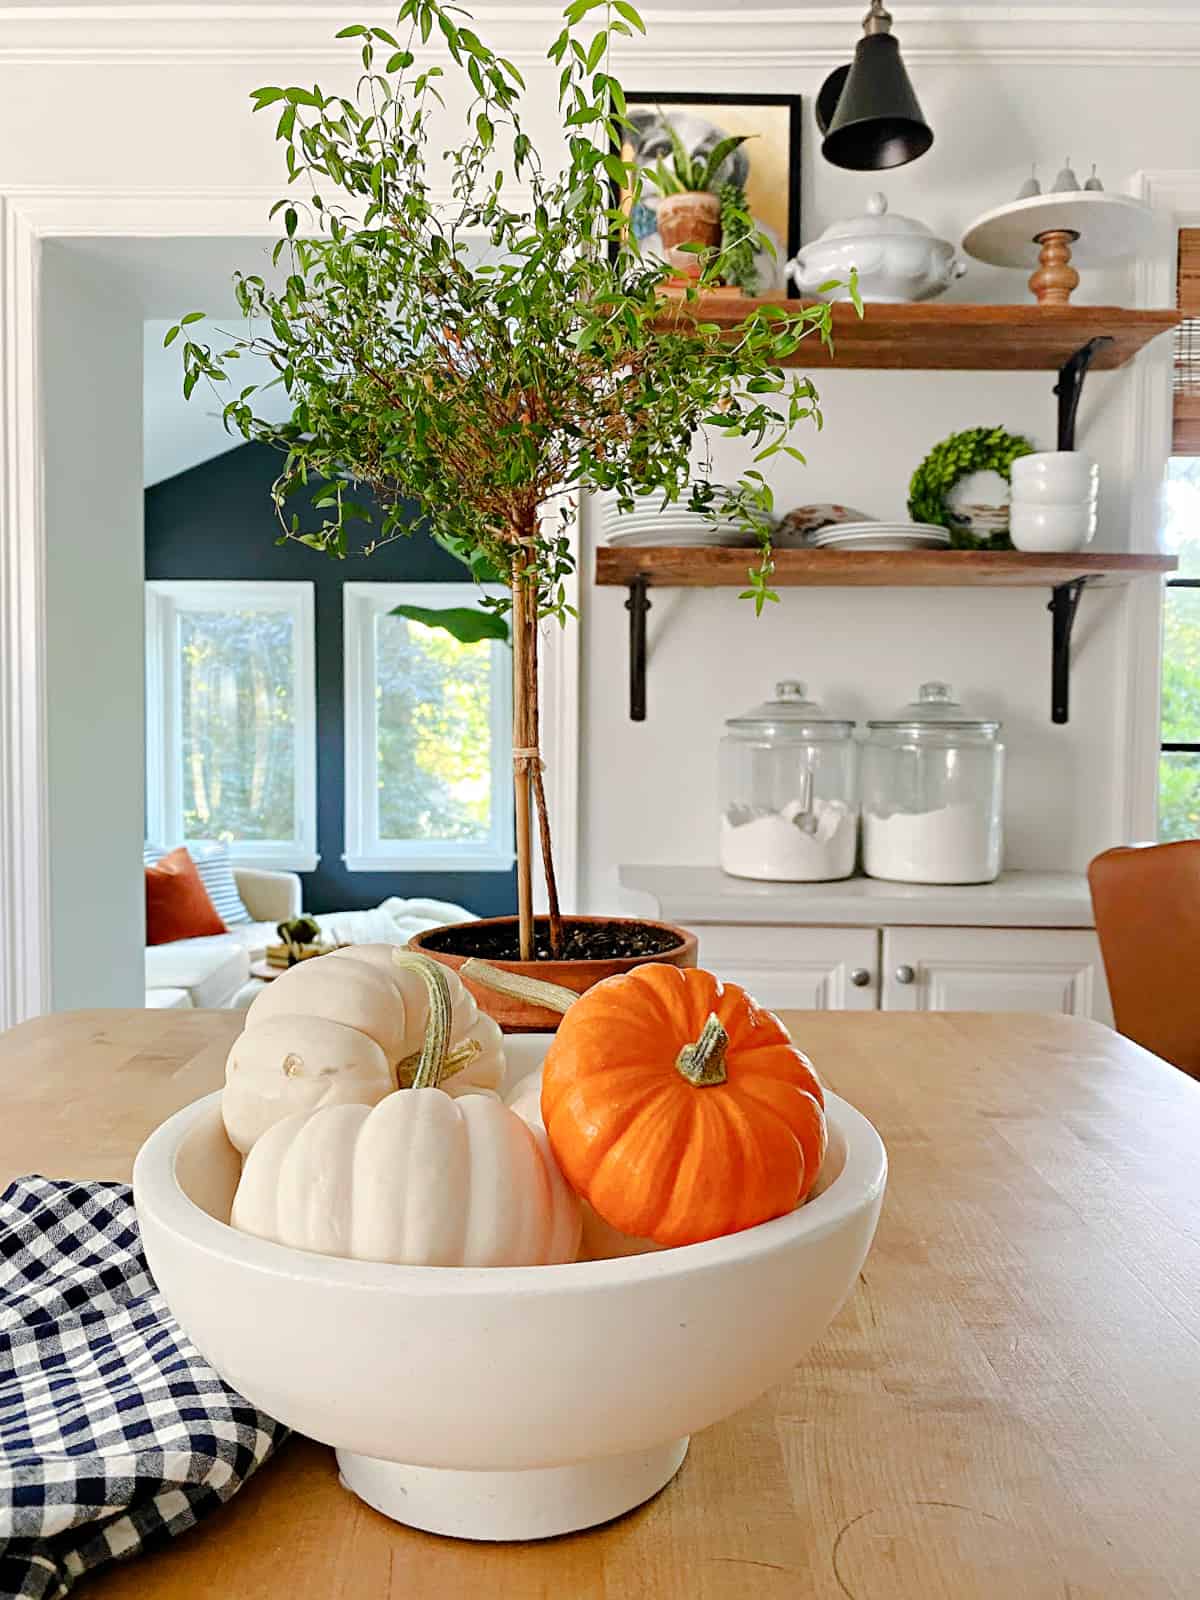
x,y
217,522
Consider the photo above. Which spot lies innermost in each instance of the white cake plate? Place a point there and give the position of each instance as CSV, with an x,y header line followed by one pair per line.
x,y
1092,228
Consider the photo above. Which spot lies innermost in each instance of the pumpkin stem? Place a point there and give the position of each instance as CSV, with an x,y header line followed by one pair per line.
x,y
703,1063
431,1063
539,993
457,1060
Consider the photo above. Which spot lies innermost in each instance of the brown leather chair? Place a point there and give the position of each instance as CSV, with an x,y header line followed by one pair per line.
x,y
1147,904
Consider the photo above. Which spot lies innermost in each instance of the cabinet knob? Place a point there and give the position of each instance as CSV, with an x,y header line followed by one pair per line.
x,y
860,977
905,974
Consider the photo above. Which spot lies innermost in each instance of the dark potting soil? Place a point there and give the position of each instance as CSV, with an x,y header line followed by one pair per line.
x,y
582,941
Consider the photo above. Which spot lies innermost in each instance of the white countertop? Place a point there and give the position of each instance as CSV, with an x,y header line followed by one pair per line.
x,y
1015,900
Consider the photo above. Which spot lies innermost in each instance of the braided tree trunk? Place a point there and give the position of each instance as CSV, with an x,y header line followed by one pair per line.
x,y
529,791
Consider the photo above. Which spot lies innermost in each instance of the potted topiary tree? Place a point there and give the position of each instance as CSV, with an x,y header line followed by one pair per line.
x,y
495,392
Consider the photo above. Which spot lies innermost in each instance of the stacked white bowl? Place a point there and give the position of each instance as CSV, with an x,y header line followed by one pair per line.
x,y
1053,505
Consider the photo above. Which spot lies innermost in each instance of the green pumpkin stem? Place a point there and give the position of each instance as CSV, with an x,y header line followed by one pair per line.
x,y
517,987
431,1063
703,1063
458,1059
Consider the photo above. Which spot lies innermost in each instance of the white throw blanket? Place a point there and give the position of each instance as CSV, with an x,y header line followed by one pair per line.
x,y
393,922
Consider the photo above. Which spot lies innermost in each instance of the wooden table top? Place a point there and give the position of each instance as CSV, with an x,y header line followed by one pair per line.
x,y
1005,1410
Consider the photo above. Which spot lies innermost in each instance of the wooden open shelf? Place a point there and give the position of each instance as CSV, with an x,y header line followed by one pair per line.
x,y
689,567
955,338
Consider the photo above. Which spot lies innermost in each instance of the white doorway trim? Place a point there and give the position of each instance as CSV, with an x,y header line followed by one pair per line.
x,y
28,219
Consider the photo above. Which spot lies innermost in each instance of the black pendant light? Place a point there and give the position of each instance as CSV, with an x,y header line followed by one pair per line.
x,y
867,110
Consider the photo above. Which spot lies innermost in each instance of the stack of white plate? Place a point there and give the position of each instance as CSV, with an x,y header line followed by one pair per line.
x,y
674,525
882,536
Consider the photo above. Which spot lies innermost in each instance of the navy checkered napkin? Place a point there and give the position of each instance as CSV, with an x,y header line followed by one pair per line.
x,y
115,1433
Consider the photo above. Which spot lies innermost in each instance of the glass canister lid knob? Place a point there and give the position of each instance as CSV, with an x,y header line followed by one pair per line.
x,y
791,714
936,694
935,707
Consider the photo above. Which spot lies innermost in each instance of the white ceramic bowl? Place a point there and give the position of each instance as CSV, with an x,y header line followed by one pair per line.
x,y
504,1402
1049,528
1055,478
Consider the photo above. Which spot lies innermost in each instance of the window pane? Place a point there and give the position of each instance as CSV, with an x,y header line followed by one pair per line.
x,y
237,671
1179,795
1181,513
433,700
1181,666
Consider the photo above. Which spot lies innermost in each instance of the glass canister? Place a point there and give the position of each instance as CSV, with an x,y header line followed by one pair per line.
x,y
933,793
789,791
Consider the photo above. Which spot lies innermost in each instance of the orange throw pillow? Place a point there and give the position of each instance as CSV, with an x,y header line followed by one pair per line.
x,y
177,903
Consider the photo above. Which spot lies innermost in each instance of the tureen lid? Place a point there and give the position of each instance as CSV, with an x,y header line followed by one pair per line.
x,y
789,714
874,221
935,706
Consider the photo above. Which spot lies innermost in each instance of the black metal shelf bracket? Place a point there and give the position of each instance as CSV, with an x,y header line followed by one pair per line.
x,y
1064,602
637,605
1070,386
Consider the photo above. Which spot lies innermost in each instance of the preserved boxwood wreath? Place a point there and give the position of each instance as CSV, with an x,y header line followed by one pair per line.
x,y
973,450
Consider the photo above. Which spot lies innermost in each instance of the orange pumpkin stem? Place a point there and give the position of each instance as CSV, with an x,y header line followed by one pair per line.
x,y
703,1063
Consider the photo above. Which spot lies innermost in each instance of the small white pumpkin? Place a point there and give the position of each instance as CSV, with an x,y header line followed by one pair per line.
x,y
289,1064
376,989
599,1240
420,1178
353,993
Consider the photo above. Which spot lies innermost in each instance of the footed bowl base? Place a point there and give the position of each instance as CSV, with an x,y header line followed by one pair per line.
x,y
533,1503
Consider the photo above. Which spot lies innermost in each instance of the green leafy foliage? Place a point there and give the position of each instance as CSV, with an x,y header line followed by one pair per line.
x,y
688,174
489,392
737,239
463,623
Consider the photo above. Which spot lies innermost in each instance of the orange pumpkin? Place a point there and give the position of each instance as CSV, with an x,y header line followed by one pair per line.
x,y
679,1108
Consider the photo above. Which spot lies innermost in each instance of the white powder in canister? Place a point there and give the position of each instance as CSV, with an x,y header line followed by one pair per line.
x,y
956,844
791,845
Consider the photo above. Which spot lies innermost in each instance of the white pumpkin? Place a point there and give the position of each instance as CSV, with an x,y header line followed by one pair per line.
x,y
289,1064
599,1240
375,988
353,993
420,1178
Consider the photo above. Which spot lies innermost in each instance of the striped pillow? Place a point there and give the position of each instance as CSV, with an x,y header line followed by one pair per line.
x,y
216,874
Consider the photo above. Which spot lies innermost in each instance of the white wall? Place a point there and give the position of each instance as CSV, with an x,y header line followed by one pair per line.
x,y
92,385
153,100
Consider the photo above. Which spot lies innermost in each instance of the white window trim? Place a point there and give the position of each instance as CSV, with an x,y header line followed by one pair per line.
x,y
365,851
164,799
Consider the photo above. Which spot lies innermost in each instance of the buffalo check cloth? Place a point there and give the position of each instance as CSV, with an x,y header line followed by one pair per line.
x,y
115,1433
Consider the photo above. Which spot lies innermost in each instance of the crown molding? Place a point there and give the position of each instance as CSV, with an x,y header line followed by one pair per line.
x,y
266,36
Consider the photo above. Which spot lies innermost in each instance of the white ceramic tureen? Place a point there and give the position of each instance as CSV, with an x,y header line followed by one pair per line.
x,y
897,258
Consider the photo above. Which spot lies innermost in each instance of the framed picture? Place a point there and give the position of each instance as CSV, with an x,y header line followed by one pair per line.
x,y
767,165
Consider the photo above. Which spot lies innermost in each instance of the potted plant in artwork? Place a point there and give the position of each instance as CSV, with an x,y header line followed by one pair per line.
x,y
495,392
701,212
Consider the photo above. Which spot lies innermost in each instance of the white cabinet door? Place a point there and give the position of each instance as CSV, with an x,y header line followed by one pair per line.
x,y
805,969
994,969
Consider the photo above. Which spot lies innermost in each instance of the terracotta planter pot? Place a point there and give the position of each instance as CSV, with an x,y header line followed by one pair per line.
x,y
519,1016
688,219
